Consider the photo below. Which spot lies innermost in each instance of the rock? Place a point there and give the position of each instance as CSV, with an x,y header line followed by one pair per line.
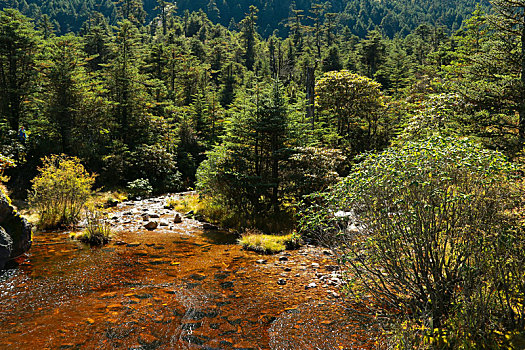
x,y
6,246
315,265
189,214
261,261
283,258
281,282
145,217
311,285
208,226
14,226
151,225
287,269
154,215
177,219
328,252
163,223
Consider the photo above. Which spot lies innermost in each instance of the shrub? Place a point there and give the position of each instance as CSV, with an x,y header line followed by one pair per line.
x,y
431,230
157,165
60,191
139,188
97,231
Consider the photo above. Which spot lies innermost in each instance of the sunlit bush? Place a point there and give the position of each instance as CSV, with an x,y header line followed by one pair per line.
x,y
60,191
431,231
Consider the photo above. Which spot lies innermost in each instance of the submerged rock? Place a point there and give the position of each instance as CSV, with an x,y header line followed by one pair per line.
x,y
15,232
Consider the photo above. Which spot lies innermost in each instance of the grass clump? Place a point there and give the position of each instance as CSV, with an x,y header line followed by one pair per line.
x,y
269,244
98,230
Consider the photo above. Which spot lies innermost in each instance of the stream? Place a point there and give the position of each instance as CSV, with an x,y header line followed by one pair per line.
x,y
176,287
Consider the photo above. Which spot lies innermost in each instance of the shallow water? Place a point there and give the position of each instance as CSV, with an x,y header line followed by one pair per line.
x,y
178,288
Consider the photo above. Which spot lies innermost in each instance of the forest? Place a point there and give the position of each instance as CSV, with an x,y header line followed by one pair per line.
x,y
391,132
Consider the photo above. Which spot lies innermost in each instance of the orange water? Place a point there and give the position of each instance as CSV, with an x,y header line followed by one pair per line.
x,y
180,289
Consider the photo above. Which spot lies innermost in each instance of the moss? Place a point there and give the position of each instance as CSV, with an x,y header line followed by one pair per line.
x,y
270,244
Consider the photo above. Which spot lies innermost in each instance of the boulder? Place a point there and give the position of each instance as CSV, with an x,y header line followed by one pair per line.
x,y
15,227
6,246
177,219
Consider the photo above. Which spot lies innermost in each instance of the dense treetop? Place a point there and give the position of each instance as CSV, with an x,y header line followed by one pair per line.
x,y
360,16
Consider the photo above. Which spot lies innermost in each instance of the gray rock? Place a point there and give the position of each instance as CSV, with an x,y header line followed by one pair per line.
x,y
6,246
311,285
14,226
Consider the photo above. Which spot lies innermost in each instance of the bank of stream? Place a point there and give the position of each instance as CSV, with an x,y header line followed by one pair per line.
x,y
176,287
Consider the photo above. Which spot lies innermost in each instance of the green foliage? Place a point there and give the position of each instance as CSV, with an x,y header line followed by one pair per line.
x,y
430,229
60,191
156,165
139,188
353,104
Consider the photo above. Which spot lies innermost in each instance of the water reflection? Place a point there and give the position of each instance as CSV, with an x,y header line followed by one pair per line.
x,y
162,289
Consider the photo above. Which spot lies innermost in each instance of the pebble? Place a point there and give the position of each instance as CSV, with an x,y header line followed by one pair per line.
x,y
281,282
311,285
261,261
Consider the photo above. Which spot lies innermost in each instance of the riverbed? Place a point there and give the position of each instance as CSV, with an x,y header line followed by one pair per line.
x,y
176,287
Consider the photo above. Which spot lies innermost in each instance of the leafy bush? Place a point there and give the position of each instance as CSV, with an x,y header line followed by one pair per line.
x,y
431,230
139,188
60,191
97,231
157,165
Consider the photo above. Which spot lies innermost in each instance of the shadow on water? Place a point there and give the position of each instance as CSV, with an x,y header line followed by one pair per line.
x,y
220,236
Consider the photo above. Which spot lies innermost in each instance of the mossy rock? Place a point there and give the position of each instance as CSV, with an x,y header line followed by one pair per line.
x,y
18,229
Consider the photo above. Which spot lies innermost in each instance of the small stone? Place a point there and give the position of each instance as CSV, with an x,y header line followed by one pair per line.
x,y
283,258
163,223
154,215
177,219
151,225
281,282
287,269
261,261
315,265
328,252
311,285
145,217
